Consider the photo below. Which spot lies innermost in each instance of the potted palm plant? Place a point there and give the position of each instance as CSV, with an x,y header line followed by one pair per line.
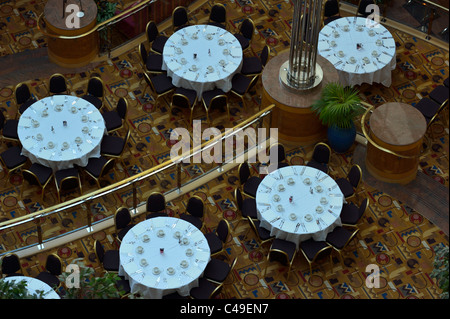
x,y
337,108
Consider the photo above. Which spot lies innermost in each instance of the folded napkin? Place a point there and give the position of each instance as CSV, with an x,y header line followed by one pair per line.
x,y
389,42
369,68
230,68
202,255
193,272
173,282
323,45
24,122
236,52
264,197
28,143
290,225
47,154
131,267
168,50
349,68
138,229
211,77
326,31
229,37
173,65
149,280
158,222
66,155
384,58
126,248
333,59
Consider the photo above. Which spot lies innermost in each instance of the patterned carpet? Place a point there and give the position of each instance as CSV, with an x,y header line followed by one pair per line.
x,y
392,235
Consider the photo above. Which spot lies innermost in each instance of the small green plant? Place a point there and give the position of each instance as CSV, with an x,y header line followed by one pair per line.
x,y
105,10
92,287
338,105
440,271
17,289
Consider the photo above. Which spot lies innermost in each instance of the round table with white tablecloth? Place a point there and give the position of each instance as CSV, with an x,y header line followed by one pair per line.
x,y
33,285
361,50
162,255
202,57
60,131
299,202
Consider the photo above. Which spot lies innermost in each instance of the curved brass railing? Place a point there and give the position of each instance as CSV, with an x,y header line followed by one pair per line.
x,y
369,139
130,181
99,26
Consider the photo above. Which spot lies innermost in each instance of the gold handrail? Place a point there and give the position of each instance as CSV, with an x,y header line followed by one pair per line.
x,y
118,17
368,110
435,4
131,179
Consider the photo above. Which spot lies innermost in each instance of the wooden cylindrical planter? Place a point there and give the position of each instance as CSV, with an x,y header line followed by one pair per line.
x,y
77,52
293,117
399,128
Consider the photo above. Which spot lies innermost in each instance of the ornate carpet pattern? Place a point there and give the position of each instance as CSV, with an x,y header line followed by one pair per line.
x,y
393,236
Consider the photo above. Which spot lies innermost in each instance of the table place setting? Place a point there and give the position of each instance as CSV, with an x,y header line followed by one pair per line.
x,y
299,202
163,254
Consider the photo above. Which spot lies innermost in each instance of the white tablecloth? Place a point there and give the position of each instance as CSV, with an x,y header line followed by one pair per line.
x,y
84,122
145,278
296,211
215,48
374,68
34,284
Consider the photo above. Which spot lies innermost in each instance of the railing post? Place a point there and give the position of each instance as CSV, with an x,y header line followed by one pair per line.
x,y
39,233
179,177
134,197
89,217
430,24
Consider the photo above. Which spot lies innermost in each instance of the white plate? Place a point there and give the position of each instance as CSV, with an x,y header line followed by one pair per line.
x,y
308,217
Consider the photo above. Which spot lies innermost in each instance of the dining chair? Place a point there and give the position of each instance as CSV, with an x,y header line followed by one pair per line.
x,y
351,214
218,16
339,239
439,94
185,99
330,11
156,40
279,149
349,184
320,157
246,207
261,233
53,269
9,129
109,259
218,270
205,289
217,238
180,18
283,252
99,167
58,84
11,266
117,118
12,160
315,250
122,222
241,84
195,211
245,34
160,85
37,175
156,205
248,183
215,99
362,8
446,82
95,93
23,97
151,63
67,179
114,146
254,65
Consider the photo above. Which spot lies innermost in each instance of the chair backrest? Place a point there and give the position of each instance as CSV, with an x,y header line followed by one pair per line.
x,y
179,17
253,83
362,7
238,198
247,28
151,31
363,207
181,100
143,54
122,108
331,8
11,264
218,13
354,175
195,206
70,182
264,57
223,230
218,102
156,202
243,172
57,84
54,264
95,87
22,93
30,177
321,153
122,217
2,120
109,165
99,250
279,149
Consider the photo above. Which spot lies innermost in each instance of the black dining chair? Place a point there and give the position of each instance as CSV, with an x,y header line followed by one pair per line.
x,y
241,84
117,118
262,233
9,129
155,39
122,222
160,85
109,259
218,270
37,175
439,94
151,63
351,214
215,99
246,207
349,184
331,11
185,99
320,157
283,252
362,10
218,16
11,266
195,210
254,65
95,93
245,34
12,160
156,205
248,183
67,179
279,149
114,146
180,18
217,238
446,82
315,250
23,97
98,167
205,289
339,238
53,269
58,84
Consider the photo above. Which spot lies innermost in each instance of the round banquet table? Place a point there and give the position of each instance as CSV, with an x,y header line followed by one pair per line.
x,y
34,284
218,58
60,131
298,202
186,251
367,67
